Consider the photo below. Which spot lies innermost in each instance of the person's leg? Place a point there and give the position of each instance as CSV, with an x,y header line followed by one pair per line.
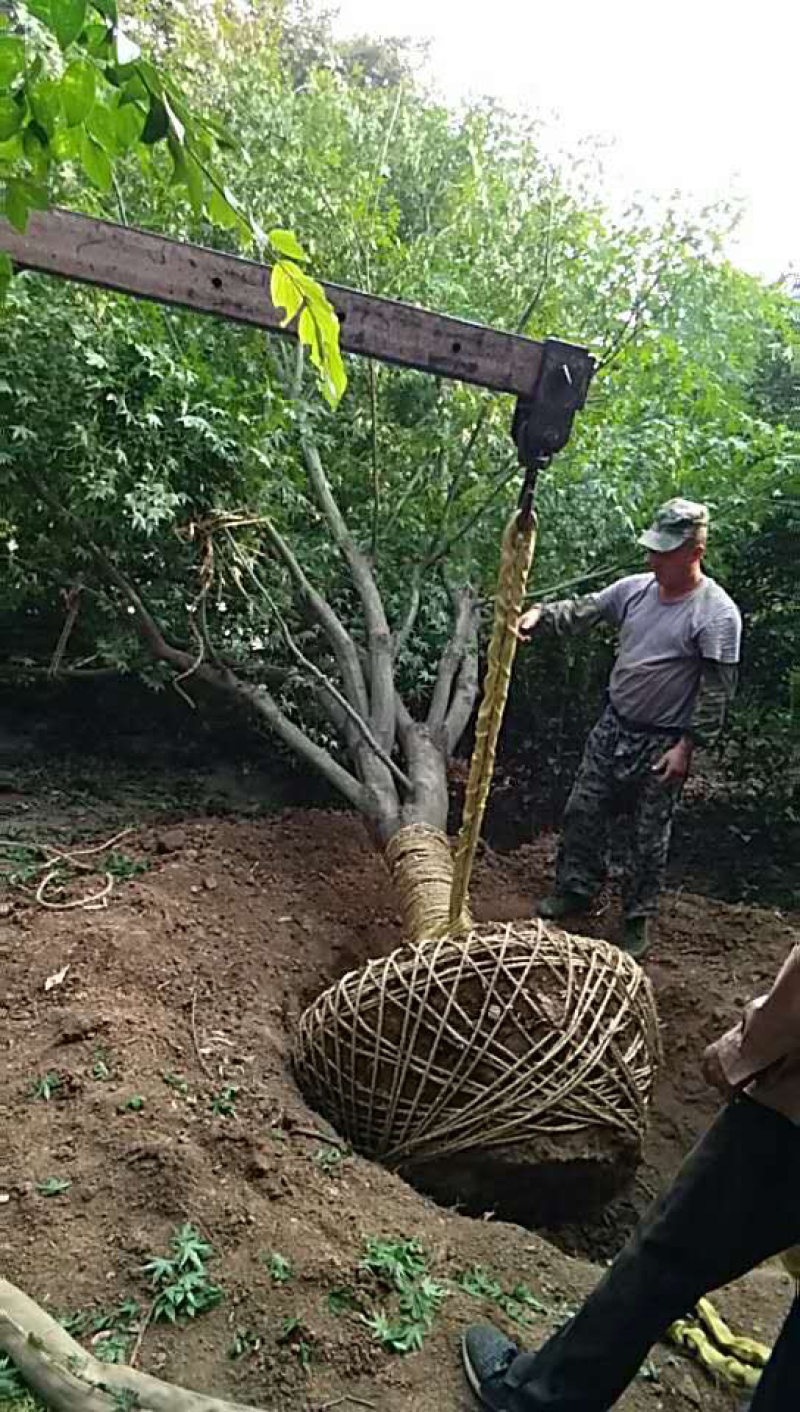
x,y
732,1206
582,861
778,1387
651,832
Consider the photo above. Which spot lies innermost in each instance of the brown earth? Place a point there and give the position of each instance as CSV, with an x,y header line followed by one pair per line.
x,y
197,970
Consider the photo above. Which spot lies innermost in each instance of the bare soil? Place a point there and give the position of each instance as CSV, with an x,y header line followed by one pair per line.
x,y
194,975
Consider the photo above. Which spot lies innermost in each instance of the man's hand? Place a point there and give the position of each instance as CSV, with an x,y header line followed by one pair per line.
x,y
528,622
673,767
714,1074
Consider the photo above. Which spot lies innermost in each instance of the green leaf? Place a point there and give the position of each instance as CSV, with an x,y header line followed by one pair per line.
x,y
128,124
6,276
109,9
11,118
45,100
35,148
284,291
195,185
98,40
77,90
41,10
16,205
221,211
95,163
286,243
67,18
157,125
12,58
67,143
102,124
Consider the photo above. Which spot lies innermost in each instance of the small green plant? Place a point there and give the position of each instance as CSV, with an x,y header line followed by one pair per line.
x,y
46,1086
177,1083
244,1342
124,1399
342,1300
402,1265
54,1186
112,1347
330,1158
101,1069
134,1104
295,1336
122,867
223,1105
280,1269
181,1281
11,1384
518,1304
394,1261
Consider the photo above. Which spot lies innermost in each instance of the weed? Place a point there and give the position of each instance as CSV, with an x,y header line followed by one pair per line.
x,y
280,1269
46,1086
244,1342
330,1158
111,1347
101,1069
53,1186
181,1280
394,1261
295,1336
11,1384
478,1282
403,1266
342,1300
177,1083
122,867
223,1105
135,1104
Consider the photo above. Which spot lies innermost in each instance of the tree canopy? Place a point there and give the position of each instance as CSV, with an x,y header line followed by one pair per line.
x,y
185,450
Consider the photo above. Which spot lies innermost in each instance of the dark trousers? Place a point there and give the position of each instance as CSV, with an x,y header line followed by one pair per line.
x,y
735,1203
616,776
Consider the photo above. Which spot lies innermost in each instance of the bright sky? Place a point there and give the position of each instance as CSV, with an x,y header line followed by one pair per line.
x,y
700,95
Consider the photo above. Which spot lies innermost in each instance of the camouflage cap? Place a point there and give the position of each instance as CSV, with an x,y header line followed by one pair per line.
x,y
675,522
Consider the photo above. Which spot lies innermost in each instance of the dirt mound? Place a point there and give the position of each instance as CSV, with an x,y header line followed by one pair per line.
x,y
148,1088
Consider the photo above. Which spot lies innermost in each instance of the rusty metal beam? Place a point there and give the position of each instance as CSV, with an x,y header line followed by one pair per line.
x,y
149,266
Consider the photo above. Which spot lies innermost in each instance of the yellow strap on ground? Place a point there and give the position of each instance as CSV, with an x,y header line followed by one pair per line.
x,y
515,563
729,1357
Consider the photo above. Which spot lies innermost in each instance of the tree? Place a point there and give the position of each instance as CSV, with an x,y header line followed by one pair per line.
x,y
331,573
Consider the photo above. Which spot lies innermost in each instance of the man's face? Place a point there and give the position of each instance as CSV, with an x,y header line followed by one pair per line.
x,y
675,567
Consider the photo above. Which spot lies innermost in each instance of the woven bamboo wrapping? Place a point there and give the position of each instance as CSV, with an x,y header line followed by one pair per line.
x,y
518,1030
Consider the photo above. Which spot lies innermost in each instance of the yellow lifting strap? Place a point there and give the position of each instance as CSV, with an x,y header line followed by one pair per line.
x,y
516,557
729,1357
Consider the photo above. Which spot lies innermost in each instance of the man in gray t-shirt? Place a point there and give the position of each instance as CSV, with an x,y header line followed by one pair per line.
x,y
675,673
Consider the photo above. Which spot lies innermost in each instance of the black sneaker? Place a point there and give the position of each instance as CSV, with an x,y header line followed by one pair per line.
x,y
487,1356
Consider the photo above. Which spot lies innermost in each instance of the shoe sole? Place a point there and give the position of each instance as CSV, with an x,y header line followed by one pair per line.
x,y
472,1377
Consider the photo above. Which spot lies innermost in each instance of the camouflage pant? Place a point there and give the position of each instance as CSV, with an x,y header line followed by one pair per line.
x,y
615,777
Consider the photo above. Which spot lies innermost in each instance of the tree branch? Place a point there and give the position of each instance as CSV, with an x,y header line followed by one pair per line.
x,y
401,637
220,677
326,685
465,694
450,661
382,716
344,648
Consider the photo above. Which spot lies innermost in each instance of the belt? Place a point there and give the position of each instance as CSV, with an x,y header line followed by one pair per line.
x,y
641,727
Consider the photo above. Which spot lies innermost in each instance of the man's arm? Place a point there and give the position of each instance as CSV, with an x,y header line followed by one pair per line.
x,y
768,1031
573,615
